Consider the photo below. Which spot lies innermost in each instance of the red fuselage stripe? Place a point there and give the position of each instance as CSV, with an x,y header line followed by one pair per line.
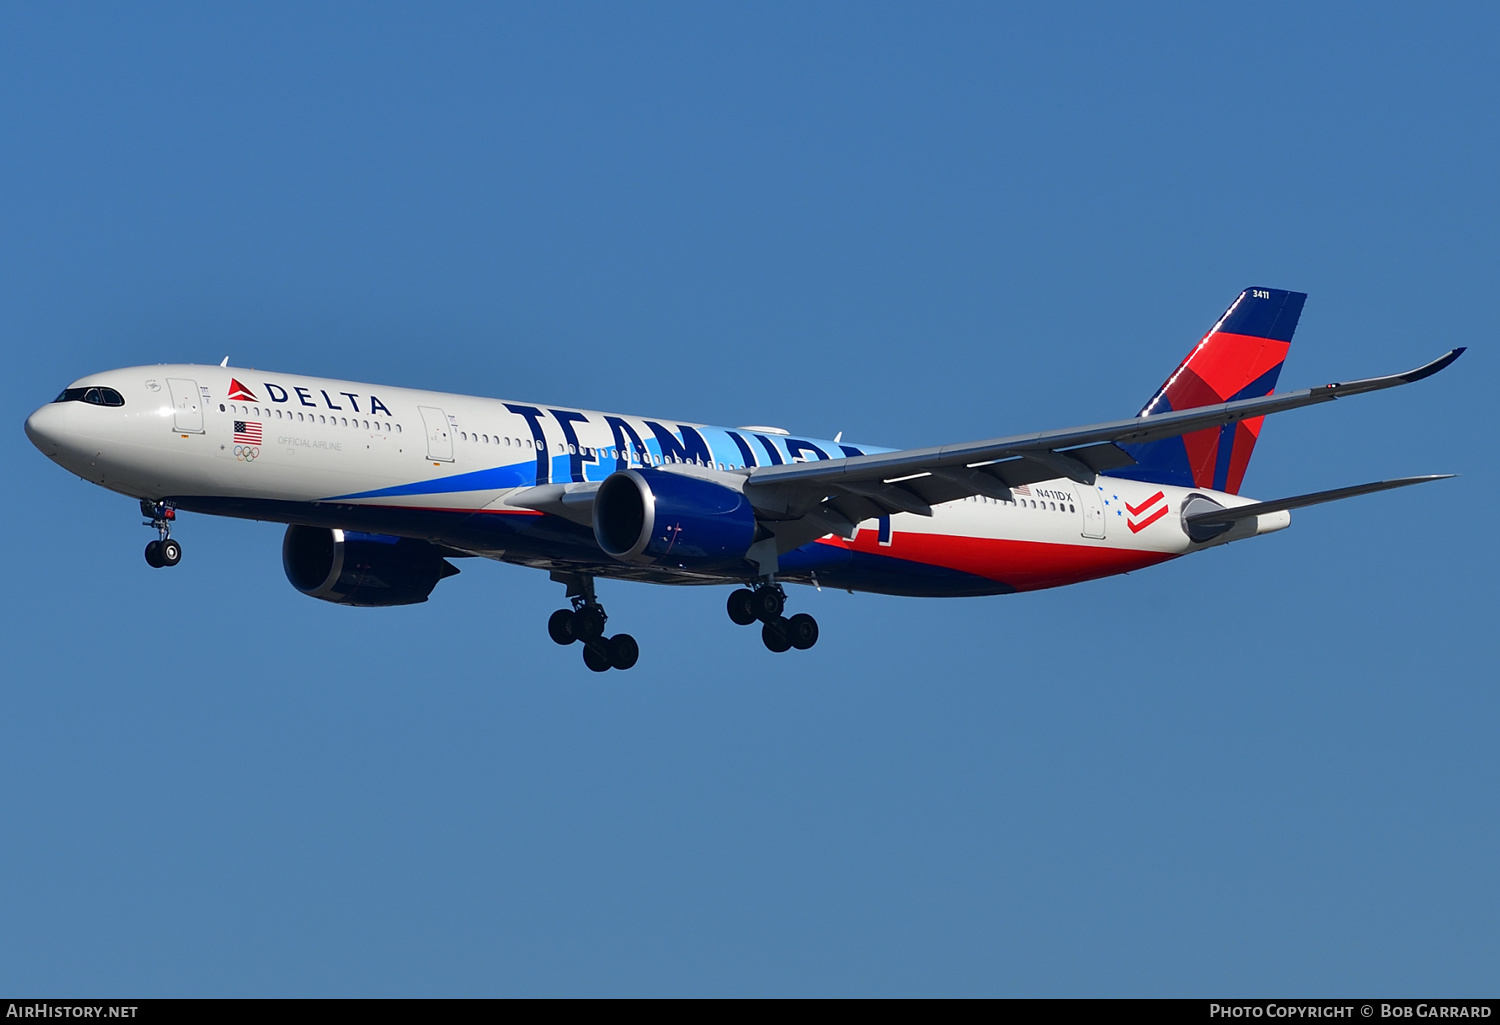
x,y
1024,565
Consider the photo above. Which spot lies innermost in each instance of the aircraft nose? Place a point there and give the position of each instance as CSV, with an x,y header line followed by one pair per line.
x,y
45,429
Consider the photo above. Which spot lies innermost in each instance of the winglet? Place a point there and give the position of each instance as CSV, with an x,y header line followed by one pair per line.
x,y
1441,363
1423,372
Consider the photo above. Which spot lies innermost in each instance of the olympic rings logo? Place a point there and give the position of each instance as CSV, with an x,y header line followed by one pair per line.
x,y
246,453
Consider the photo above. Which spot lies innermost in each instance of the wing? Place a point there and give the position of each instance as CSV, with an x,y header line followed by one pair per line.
x,y
833,495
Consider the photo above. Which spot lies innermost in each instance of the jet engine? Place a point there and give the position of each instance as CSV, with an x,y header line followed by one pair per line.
x,y
349,568
652,517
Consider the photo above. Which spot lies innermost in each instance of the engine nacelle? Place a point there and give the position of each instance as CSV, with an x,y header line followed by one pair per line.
x,y
349,568
649,516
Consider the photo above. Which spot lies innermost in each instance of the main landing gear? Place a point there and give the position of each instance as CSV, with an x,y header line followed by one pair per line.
x,y
585,622
165,551
766,603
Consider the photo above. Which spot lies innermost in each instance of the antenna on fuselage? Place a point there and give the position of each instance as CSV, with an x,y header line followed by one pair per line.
x,y
224,362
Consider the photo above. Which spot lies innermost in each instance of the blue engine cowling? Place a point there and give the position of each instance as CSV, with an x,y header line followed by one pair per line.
x,y
348,568
652,517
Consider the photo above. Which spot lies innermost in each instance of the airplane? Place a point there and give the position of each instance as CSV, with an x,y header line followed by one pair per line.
x,y
380,487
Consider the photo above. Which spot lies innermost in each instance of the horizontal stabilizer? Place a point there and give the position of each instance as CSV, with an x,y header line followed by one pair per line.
x,y
1205,523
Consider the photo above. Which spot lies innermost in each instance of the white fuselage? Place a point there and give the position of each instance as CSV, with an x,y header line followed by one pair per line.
x,y
449,468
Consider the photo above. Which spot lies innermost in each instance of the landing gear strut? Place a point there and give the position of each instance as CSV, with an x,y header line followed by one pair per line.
x,y
585,622
164,551
765,603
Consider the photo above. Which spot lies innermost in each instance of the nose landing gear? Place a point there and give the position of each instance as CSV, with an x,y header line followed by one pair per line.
x,y
765,603
585,622
164,551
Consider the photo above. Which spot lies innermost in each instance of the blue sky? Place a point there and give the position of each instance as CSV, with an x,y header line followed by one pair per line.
x,y
1269,769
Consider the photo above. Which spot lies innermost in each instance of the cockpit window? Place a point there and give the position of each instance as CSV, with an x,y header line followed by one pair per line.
x,y
93,396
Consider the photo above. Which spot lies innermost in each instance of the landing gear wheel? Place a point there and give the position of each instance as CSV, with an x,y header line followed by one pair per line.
x,y
560,627
774,635
588,623
767,603
596,656
802,631
170,552
623,651
153,555
740,609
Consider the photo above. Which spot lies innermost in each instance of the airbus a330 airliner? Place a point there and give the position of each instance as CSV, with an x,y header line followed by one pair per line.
x,y
380,487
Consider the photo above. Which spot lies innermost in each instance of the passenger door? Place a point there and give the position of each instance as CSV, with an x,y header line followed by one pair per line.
x,y
1093,510
439,434
187,407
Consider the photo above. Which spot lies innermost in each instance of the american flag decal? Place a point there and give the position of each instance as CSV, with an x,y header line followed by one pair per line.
x,y
246,433
1022,489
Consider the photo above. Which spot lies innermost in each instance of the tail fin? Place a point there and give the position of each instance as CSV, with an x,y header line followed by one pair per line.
x,y
1239,358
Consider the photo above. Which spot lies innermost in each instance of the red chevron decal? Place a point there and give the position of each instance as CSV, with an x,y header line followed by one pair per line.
x,y
1136,528
1136,510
